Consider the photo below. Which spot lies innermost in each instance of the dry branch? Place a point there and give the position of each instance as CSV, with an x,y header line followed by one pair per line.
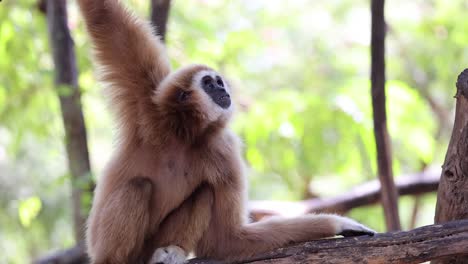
x,y
362,195
415,246
382,139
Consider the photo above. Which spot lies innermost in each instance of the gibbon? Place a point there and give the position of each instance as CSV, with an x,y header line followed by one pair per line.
x,y
176,181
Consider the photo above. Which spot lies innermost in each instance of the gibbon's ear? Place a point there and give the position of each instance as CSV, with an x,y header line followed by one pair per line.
x,y
132,61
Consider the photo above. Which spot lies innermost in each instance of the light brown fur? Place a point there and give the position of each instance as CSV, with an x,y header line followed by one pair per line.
x,y
176,177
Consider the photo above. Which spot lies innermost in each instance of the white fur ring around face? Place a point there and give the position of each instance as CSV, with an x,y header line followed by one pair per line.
x,y
168,255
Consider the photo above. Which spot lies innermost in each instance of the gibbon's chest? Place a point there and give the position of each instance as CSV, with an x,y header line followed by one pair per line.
x,y
164,167
193,166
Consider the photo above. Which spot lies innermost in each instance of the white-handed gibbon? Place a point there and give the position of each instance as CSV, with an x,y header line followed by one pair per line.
x,y
175,183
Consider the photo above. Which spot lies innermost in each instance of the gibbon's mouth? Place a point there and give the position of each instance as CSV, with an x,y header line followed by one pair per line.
x,y
223,100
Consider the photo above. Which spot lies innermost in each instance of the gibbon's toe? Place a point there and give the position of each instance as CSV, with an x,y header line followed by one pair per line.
x,y
168,255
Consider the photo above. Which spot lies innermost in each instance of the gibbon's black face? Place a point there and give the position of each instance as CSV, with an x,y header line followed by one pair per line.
x,y
214,87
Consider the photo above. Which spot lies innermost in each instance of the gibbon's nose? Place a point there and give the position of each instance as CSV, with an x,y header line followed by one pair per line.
x,y
214,87
220,89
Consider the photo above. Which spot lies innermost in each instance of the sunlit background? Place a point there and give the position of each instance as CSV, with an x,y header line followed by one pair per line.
x,y
300,69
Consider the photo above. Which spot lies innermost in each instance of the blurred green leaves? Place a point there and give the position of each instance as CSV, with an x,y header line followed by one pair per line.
x,y
299,71
28,210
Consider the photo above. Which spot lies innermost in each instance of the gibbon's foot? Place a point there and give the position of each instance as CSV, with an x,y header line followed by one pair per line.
x,y
168,255
348,228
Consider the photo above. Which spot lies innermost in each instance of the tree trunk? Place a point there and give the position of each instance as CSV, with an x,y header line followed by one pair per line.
x,y
382,140
70,103
452,196
159,16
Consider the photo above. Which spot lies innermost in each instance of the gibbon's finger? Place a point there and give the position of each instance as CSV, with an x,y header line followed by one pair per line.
x,y
353,233
349,227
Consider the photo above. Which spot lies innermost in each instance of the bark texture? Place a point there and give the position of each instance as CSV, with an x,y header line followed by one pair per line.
x,y
452,196
382,139
70,103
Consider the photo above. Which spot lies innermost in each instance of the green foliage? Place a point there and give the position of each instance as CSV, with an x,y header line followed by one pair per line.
x,y
300,72
28,210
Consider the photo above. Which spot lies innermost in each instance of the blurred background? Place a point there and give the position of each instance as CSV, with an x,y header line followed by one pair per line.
x,y
300,70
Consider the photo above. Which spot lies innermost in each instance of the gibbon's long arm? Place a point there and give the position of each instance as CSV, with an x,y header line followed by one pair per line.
x,y
228,238
132,59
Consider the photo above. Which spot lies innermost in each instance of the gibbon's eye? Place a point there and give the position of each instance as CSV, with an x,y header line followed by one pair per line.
x,y
207,80
219,81
183,96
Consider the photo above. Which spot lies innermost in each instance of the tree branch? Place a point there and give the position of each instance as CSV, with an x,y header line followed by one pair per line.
x,y
362,195
415,246
382,139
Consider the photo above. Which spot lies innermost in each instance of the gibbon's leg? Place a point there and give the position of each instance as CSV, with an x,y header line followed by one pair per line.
x,y
117,230
180,232
132,60
231,240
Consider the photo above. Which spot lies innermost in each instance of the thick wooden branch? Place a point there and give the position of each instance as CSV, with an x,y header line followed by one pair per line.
x,y
415,246
362,195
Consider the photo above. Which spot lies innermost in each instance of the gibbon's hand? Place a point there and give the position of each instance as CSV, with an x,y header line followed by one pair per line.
x,y
168,255
348,228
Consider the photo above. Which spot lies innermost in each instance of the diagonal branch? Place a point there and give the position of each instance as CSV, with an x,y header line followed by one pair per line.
x,y
362,195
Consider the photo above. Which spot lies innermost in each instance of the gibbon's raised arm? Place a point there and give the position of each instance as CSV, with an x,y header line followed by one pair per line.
x,y
132,59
